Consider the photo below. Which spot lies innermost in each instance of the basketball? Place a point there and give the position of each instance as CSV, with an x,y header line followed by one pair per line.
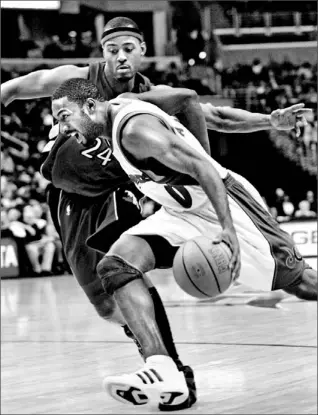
x,y
201,268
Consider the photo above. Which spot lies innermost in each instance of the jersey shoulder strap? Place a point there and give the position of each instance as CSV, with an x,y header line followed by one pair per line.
x,y
93,71
96,74
142,83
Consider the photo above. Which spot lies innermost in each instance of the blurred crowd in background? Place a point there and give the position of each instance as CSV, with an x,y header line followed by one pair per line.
x,y
25,126
257,87
24,212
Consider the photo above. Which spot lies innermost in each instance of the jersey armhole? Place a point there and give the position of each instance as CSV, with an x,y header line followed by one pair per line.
x,y
123,122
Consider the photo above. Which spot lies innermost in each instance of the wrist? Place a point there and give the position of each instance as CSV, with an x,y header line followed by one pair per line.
x,y
227,225
267,120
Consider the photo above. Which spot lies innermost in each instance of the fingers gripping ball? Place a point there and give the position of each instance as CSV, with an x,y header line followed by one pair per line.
x,y
201,268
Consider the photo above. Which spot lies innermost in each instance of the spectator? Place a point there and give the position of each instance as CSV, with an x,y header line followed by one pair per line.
x,y
29,49
304,210
273,212
54,49
305,72
38,243
86,45
288,207
310,197
8,197
259,72
5,223
47,121
173,75
7,164
278,203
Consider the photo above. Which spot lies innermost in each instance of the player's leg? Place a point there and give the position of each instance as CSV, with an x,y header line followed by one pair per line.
x,y
77,222
74,223
110,230
306,287
270,253
122,274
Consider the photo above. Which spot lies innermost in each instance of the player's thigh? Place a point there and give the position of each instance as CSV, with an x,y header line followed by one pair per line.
x,y
77,222
270,252
53,196
250,188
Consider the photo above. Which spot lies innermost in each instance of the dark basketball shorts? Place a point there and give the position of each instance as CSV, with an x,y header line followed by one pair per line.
x,y
88,228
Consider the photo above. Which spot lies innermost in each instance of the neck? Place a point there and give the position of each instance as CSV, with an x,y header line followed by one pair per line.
x,y
117,86
107,119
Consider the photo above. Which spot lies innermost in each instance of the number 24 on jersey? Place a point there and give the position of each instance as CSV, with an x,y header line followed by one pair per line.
x,y
92,152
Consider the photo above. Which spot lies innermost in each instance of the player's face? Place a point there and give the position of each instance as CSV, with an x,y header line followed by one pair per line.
x,y
123,56
75,122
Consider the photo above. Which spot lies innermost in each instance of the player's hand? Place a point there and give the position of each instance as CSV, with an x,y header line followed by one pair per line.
x,y
228,235
290,117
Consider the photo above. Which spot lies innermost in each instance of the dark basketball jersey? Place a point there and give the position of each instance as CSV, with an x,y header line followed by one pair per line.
x,y
93,171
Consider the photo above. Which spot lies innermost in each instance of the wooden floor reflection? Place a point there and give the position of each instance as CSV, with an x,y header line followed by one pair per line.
x,y
56,351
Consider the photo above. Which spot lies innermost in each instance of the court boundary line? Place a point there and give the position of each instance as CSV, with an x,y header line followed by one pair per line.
x,y
300,346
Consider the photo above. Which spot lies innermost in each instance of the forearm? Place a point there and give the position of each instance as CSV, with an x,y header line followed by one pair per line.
x,y
234,120
193,119
24,87
245,121
212,184
39,84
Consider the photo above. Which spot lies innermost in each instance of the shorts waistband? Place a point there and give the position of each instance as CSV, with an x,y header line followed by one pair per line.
x,y
228,180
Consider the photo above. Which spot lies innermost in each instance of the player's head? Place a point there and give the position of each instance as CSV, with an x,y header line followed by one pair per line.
x,y
80,109
123,47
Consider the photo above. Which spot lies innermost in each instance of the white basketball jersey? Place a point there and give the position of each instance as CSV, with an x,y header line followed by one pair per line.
x,y
170,196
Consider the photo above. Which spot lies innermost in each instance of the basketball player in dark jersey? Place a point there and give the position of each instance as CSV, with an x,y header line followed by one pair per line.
x,y
153,147
82,197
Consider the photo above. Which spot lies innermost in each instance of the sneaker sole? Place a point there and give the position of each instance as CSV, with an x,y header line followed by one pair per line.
x,y
188,403
125,393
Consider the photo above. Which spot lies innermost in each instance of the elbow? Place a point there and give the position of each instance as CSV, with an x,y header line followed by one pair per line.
x,y
191,98
8,94
191,95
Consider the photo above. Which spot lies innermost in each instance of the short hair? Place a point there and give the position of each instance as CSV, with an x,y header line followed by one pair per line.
x,y
120,21
77,90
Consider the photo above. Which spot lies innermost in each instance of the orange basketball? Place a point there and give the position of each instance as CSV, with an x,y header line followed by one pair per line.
x,y
201,268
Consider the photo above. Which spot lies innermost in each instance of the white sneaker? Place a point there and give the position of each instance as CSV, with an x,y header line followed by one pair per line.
x,y
159,381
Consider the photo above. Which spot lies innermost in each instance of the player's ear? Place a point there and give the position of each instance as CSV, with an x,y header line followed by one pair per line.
x,y
143,48
90,105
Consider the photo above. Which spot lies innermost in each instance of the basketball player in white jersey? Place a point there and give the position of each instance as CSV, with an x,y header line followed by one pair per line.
x,y
198,196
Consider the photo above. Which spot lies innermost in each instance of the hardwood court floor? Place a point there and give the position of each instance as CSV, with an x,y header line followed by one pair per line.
x,y
247,360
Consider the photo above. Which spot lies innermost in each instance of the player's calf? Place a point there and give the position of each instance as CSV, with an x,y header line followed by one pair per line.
x,y
115,273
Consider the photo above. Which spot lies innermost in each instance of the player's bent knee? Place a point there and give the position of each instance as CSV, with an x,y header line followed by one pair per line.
x,y
135,250
115,273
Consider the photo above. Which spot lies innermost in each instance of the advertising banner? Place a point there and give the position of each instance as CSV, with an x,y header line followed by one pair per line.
x,y
304,234
9,258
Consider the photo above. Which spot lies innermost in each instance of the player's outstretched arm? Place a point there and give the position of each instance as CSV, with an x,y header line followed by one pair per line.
x,y
39,84
182,102
145,137
234,120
